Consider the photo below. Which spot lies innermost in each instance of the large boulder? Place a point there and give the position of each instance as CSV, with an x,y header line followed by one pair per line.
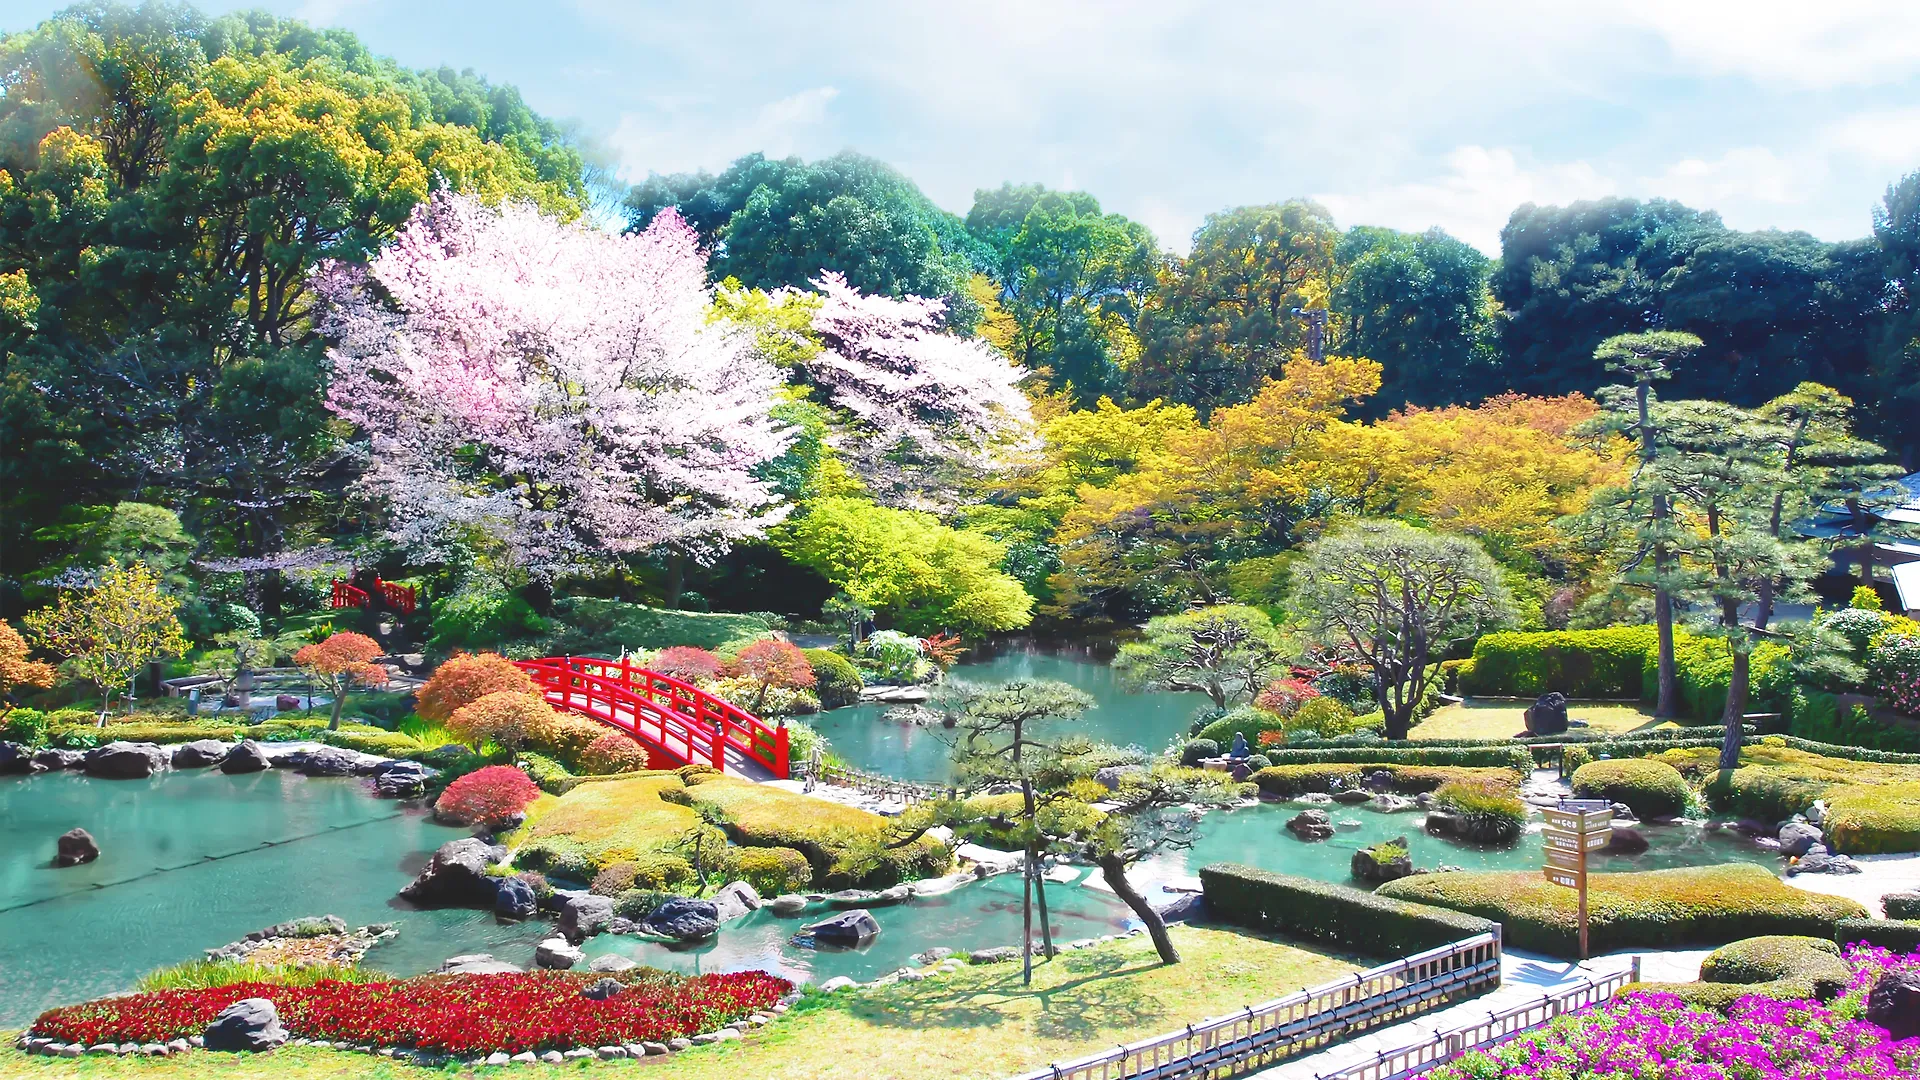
x,y
1894,1003
247,1024
788,904
1382,863
1187,907
54,759
247,757
611,962
200,754
1627,841
1311,825
848,928
1547,715
515,900
15,759
735,900
127,760
1901,905
683,919
478,964
1797,838
557,954
333,761
402,779
585,915
456,876
74,847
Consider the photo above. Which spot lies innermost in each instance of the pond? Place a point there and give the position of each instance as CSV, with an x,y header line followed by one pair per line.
x,y
865,739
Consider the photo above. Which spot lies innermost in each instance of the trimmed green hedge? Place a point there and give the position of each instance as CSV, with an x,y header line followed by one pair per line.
x,y
1874,819
1899,935
1784,968
1479,757
1706,905
1578,663
1286,781
1651,789
1323,911
1816,714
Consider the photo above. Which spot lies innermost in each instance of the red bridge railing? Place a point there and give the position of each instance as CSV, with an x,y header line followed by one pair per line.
x,y
401,598
345,595
676,721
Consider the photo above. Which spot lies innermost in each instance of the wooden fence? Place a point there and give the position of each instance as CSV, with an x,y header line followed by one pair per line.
x,y
1265,1034
1499,1026
866,783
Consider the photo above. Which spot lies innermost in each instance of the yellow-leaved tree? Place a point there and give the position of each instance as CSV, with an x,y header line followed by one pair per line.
x,y
109,630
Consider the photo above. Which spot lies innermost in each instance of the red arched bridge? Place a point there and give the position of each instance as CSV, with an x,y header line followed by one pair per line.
x,y
678,723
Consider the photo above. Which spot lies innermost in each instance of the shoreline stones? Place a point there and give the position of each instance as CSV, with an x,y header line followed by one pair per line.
x,y
848,929
315,939
1311,825
456,876
1382,863
557,953
582,915
126,761
1797,838
683,919
200,754
75,846
736,900
247,756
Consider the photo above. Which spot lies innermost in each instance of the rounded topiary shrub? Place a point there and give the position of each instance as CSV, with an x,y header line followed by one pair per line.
x,y
495,793
614,752
1199,750
837,682
773,870
1651,789
1809,967
466,678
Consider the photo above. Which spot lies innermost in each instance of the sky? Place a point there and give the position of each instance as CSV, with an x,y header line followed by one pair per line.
x,y
1407,114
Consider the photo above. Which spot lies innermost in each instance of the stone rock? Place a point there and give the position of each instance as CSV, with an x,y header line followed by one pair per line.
x,y
127,760
1112,776
898,894
611,962
558,953
849,928
931,956
1901,905
998,955
1380,780
836,984
1627,841
53,759
1819,861
456,876
402,779
1391,804
788,904
332,761
514,899
602,989
1894,1004
1444,823
247,1024
735,900
1372,865
1188,907
497,1058
585,915
1817,813
14,760
849,898
74,847
1547,715
247,757
200,754
1311,825
1798,837
311,926
683,919
1352,797
477,964
654,1048
1316,798
285,702
1752,827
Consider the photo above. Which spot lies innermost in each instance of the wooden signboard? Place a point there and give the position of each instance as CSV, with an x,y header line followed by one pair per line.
x,y
1574,861
1564,840
1580,820
1572,879
1574,828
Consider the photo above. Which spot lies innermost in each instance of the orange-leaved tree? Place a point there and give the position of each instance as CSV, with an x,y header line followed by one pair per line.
x,y
772,662
466,678
506,718
16,670
341,662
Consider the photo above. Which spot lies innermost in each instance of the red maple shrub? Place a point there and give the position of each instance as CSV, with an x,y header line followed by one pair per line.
x,y
490,794
454,1014
686,663
466,678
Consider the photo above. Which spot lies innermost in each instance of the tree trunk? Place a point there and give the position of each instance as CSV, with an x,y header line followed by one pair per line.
x,y
1040,903
1735,712
1026,929
339,702
1667,704
1114,869
1399,718
676,577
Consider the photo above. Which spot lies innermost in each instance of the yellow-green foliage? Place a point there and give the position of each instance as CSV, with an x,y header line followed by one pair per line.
x,y
203,974
1652,789
759,815
1707,905
773,870
596,825
1290,780
1874,820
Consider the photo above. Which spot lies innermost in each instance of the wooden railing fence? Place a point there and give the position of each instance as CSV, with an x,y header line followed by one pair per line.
x,y
1262,1035
866,783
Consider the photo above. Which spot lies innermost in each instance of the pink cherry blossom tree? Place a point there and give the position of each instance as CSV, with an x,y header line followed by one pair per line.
x,y
555,387
922,400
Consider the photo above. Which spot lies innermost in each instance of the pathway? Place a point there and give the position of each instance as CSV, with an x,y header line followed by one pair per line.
x,y
1523,977
738,763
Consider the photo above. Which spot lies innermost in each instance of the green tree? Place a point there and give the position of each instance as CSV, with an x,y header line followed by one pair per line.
x,y
1222,321
1397,597
1417,304
1894,343
1227,652
1072,281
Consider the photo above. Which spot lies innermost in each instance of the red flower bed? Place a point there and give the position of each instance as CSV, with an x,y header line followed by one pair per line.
x,y
454,1014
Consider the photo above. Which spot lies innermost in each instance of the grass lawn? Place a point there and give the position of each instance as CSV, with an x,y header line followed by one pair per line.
x,y
977,1022
1476,719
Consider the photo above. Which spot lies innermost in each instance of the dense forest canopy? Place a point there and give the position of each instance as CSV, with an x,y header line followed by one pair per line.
x,y
1026,411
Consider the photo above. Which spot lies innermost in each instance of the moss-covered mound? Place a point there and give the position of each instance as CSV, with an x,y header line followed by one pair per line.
x,y
1873,820
844,845
1651,789
1784,968
1879,801
1707,905
597,825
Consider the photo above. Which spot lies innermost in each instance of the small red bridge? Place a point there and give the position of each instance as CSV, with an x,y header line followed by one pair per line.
x,y
678,723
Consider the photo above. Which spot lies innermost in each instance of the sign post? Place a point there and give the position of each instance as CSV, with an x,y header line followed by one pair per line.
x,y
1574,828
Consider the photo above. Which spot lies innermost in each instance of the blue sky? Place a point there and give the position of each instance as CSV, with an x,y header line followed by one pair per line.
x,y
1408,114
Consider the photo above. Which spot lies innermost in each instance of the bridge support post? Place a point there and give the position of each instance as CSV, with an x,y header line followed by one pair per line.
x,y
782,765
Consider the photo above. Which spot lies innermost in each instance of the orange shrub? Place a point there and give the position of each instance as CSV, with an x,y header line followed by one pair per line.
x,y
509,718
494,793
568,738
468,677
614,752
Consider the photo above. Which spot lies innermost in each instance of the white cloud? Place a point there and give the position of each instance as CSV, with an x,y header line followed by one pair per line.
x,y
1472,198
1827,44
1745,175
677,134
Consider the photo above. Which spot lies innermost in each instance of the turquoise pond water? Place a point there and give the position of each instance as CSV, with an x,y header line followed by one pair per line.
x,y
193,860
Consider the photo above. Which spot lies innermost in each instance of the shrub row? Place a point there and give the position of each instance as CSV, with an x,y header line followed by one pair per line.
x,y
1578,663
1708,905
1899,935
1494,756
1287,781
1338,914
